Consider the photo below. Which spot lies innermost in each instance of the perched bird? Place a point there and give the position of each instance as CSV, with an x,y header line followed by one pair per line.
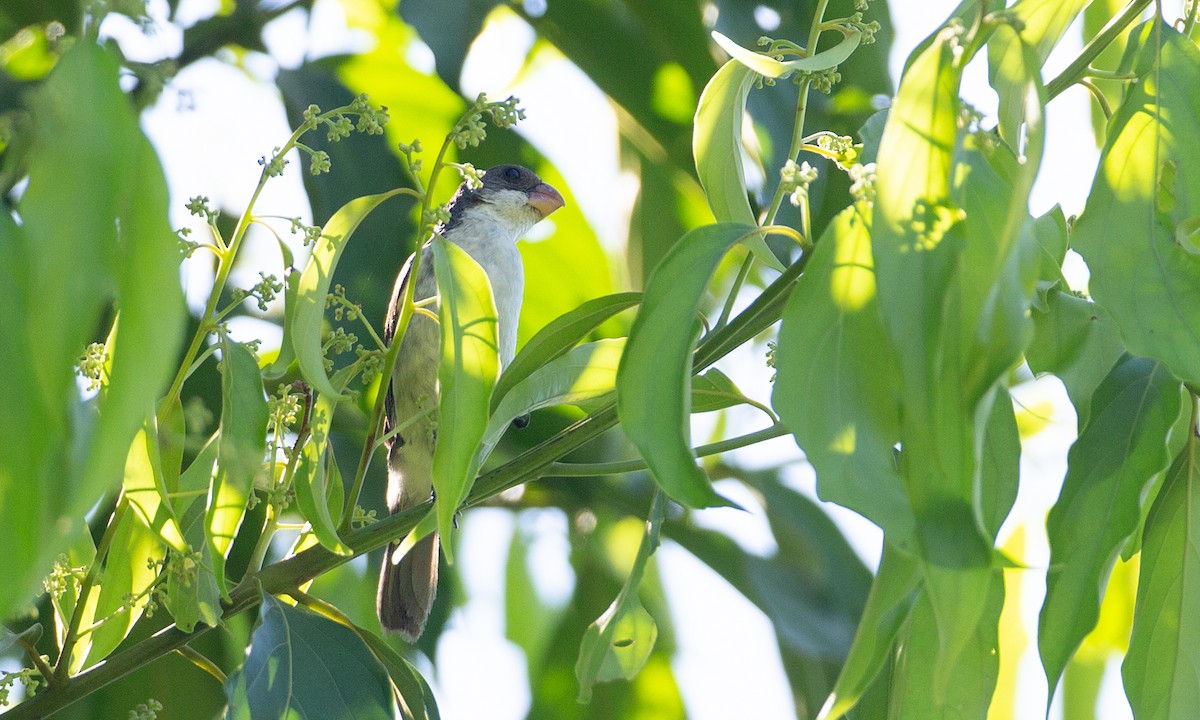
x,y
485,221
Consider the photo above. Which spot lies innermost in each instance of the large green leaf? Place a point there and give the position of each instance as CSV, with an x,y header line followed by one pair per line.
x,y
654,380
842,404
302,666
241,449
1126,443
1164,651
1141,273
717,146
467,374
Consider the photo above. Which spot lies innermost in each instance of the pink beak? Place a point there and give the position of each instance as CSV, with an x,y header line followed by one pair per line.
x,y
545,199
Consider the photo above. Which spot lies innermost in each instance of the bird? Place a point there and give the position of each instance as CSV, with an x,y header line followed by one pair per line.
x,y
486,221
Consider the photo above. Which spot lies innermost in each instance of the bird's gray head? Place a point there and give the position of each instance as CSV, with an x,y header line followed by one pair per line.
x,y
511,194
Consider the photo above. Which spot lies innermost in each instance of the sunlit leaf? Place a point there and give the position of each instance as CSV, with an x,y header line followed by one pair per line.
x,y
841,404
146,490
466,376
303,666
310,481
1140,275
121,600
581,376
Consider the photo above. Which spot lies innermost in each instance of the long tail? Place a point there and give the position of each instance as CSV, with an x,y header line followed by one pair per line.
x,y
407,588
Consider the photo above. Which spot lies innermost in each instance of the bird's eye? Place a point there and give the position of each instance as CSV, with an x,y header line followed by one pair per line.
x,y
512,174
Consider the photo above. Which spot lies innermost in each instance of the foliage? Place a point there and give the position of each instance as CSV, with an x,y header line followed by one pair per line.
x,y
151,461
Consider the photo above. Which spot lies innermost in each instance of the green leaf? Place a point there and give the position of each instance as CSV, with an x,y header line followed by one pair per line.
x,y
654,380
1075,342
1126,443
582,376
1043,24
303,666
559,336
1140,275
146,490
717,146
888,605
310,482
842,404
1164,651
314,287
772,68
1095,17
241,448
467,374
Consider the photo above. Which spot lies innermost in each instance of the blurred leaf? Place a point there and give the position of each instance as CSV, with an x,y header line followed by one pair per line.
x,y
654,381
303,666
241,449
1043,23
448,34
146,491
1159,670
558,337
315,283
466,377
1126,442
717,145
89,172
1140,275
842,404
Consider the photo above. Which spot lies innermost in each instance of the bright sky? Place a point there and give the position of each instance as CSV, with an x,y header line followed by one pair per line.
x,y
215,121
